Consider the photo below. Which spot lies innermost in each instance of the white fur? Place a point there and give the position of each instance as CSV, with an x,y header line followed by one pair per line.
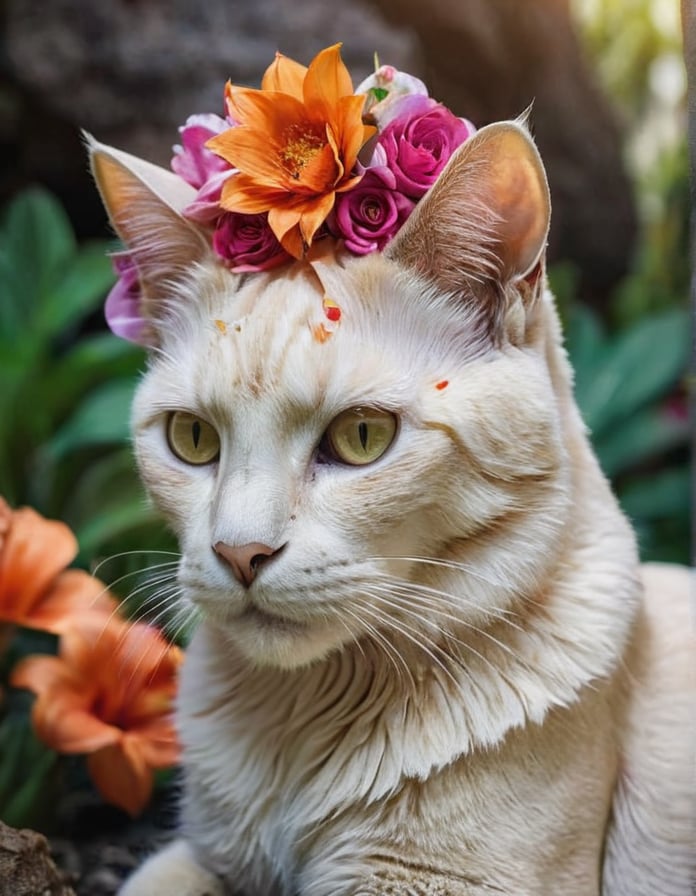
x,y
449,680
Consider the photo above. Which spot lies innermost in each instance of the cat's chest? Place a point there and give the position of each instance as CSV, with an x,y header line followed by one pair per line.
x,y
268,762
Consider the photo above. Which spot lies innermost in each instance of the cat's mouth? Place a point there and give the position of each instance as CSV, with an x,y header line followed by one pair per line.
x,y
270,621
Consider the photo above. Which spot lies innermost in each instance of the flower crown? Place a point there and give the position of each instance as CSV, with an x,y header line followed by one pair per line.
x,y
305,157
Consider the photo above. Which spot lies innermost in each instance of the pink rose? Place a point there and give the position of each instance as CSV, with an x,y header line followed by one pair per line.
x,y
369,215
122,308
247,243
419,140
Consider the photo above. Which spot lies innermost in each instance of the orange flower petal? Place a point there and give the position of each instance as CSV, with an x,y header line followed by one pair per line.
x,y
284,222
5,519
74,594
322,171
284,75
35,550
64,724
122,776
327,80
314,215
255,153
158,743
351,133
241,194
39,673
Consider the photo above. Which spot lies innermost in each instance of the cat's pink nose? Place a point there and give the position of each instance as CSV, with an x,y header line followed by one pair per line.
x,y
244,559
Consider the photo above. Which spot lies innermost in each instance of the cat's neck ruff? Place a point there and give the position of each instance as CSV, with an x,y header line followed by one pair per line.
x,y
357,725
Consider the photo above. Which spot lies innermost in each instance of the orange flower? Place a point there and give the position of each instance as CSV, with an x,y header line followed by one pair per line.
x,y
34,591
295,144
109,694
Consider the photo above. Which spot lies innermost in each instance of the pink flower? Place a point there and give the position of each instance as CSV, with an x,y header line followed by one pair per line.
x,y
247,243
419,140
369,215
383,89
200,167
192,161
122,309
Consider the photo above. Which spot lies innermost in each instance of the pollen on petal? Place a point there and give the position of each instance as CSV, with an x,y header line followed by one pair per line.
x,y
443,384
222,326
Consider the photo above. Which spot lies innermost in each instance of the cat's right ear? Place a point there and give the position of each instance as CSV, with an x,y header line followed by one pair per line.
x,y
484,224
145,204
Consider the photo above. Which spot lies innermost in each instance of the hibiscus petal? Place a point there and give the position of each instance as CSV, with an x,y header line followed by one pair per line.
x,y
284,75
122,776
35,550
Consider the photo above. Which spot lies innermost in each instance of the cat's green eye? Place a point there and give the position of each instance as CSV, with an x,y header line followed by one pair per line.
x,y
359,436
191,439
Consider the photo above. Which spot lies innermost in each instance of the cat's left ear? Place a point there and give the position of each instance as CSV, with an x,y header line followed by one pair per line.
x,y
145,204
484,224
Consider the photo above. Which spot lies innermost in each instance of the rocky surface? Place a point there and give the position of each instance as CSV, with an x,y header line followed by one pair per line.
x,y
26,866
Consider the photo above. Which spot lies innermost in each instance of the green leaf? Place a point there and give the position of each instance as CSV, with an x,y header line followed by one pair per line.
x,y
643,437
92,360
102,418
129,513
26,767
664,494
641,365
38,243
586,345
79,291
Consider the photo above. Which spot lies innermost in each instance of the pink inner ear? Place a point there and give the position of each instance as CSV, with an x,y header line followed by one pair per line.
x,y
533,277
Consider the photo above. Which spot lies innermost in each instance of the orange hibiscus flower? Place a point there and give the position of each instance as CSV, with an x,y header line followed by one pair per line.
x,y
35,589
108,694
295,144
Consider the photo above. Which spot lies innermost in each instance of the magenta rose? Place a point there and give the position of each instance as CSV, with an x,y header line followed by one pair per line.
x,y
247,243
122,308
419,140
369,215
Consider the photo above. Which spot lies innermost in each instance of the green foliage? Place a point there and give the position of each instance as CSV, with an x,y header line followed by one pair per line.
x,y
65,401
628,386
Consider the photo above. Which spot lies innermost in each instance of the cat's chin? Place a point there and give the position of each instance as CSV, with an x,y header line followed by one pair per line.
x,y
267,639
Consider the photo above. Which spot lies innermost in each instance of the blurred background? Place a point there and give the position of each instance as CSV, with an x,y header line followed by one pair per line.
x,y
608,85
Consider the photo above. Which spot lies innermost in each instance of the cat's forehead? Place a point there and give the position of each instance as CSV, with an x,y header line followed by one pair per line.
x,y
308,336
288,334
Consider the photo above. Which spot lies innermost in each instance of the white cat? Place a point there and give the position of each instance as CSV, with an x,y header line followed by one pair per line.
x,y
428,662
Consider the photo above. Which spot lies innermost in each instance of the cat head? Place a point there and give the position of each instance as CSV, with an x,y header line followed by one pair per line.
x,y
354,448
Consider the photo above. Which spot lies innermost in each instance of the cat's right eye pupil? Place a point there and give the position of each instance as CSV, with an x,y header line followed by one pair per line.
x,y
362,434
192,439
358,436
